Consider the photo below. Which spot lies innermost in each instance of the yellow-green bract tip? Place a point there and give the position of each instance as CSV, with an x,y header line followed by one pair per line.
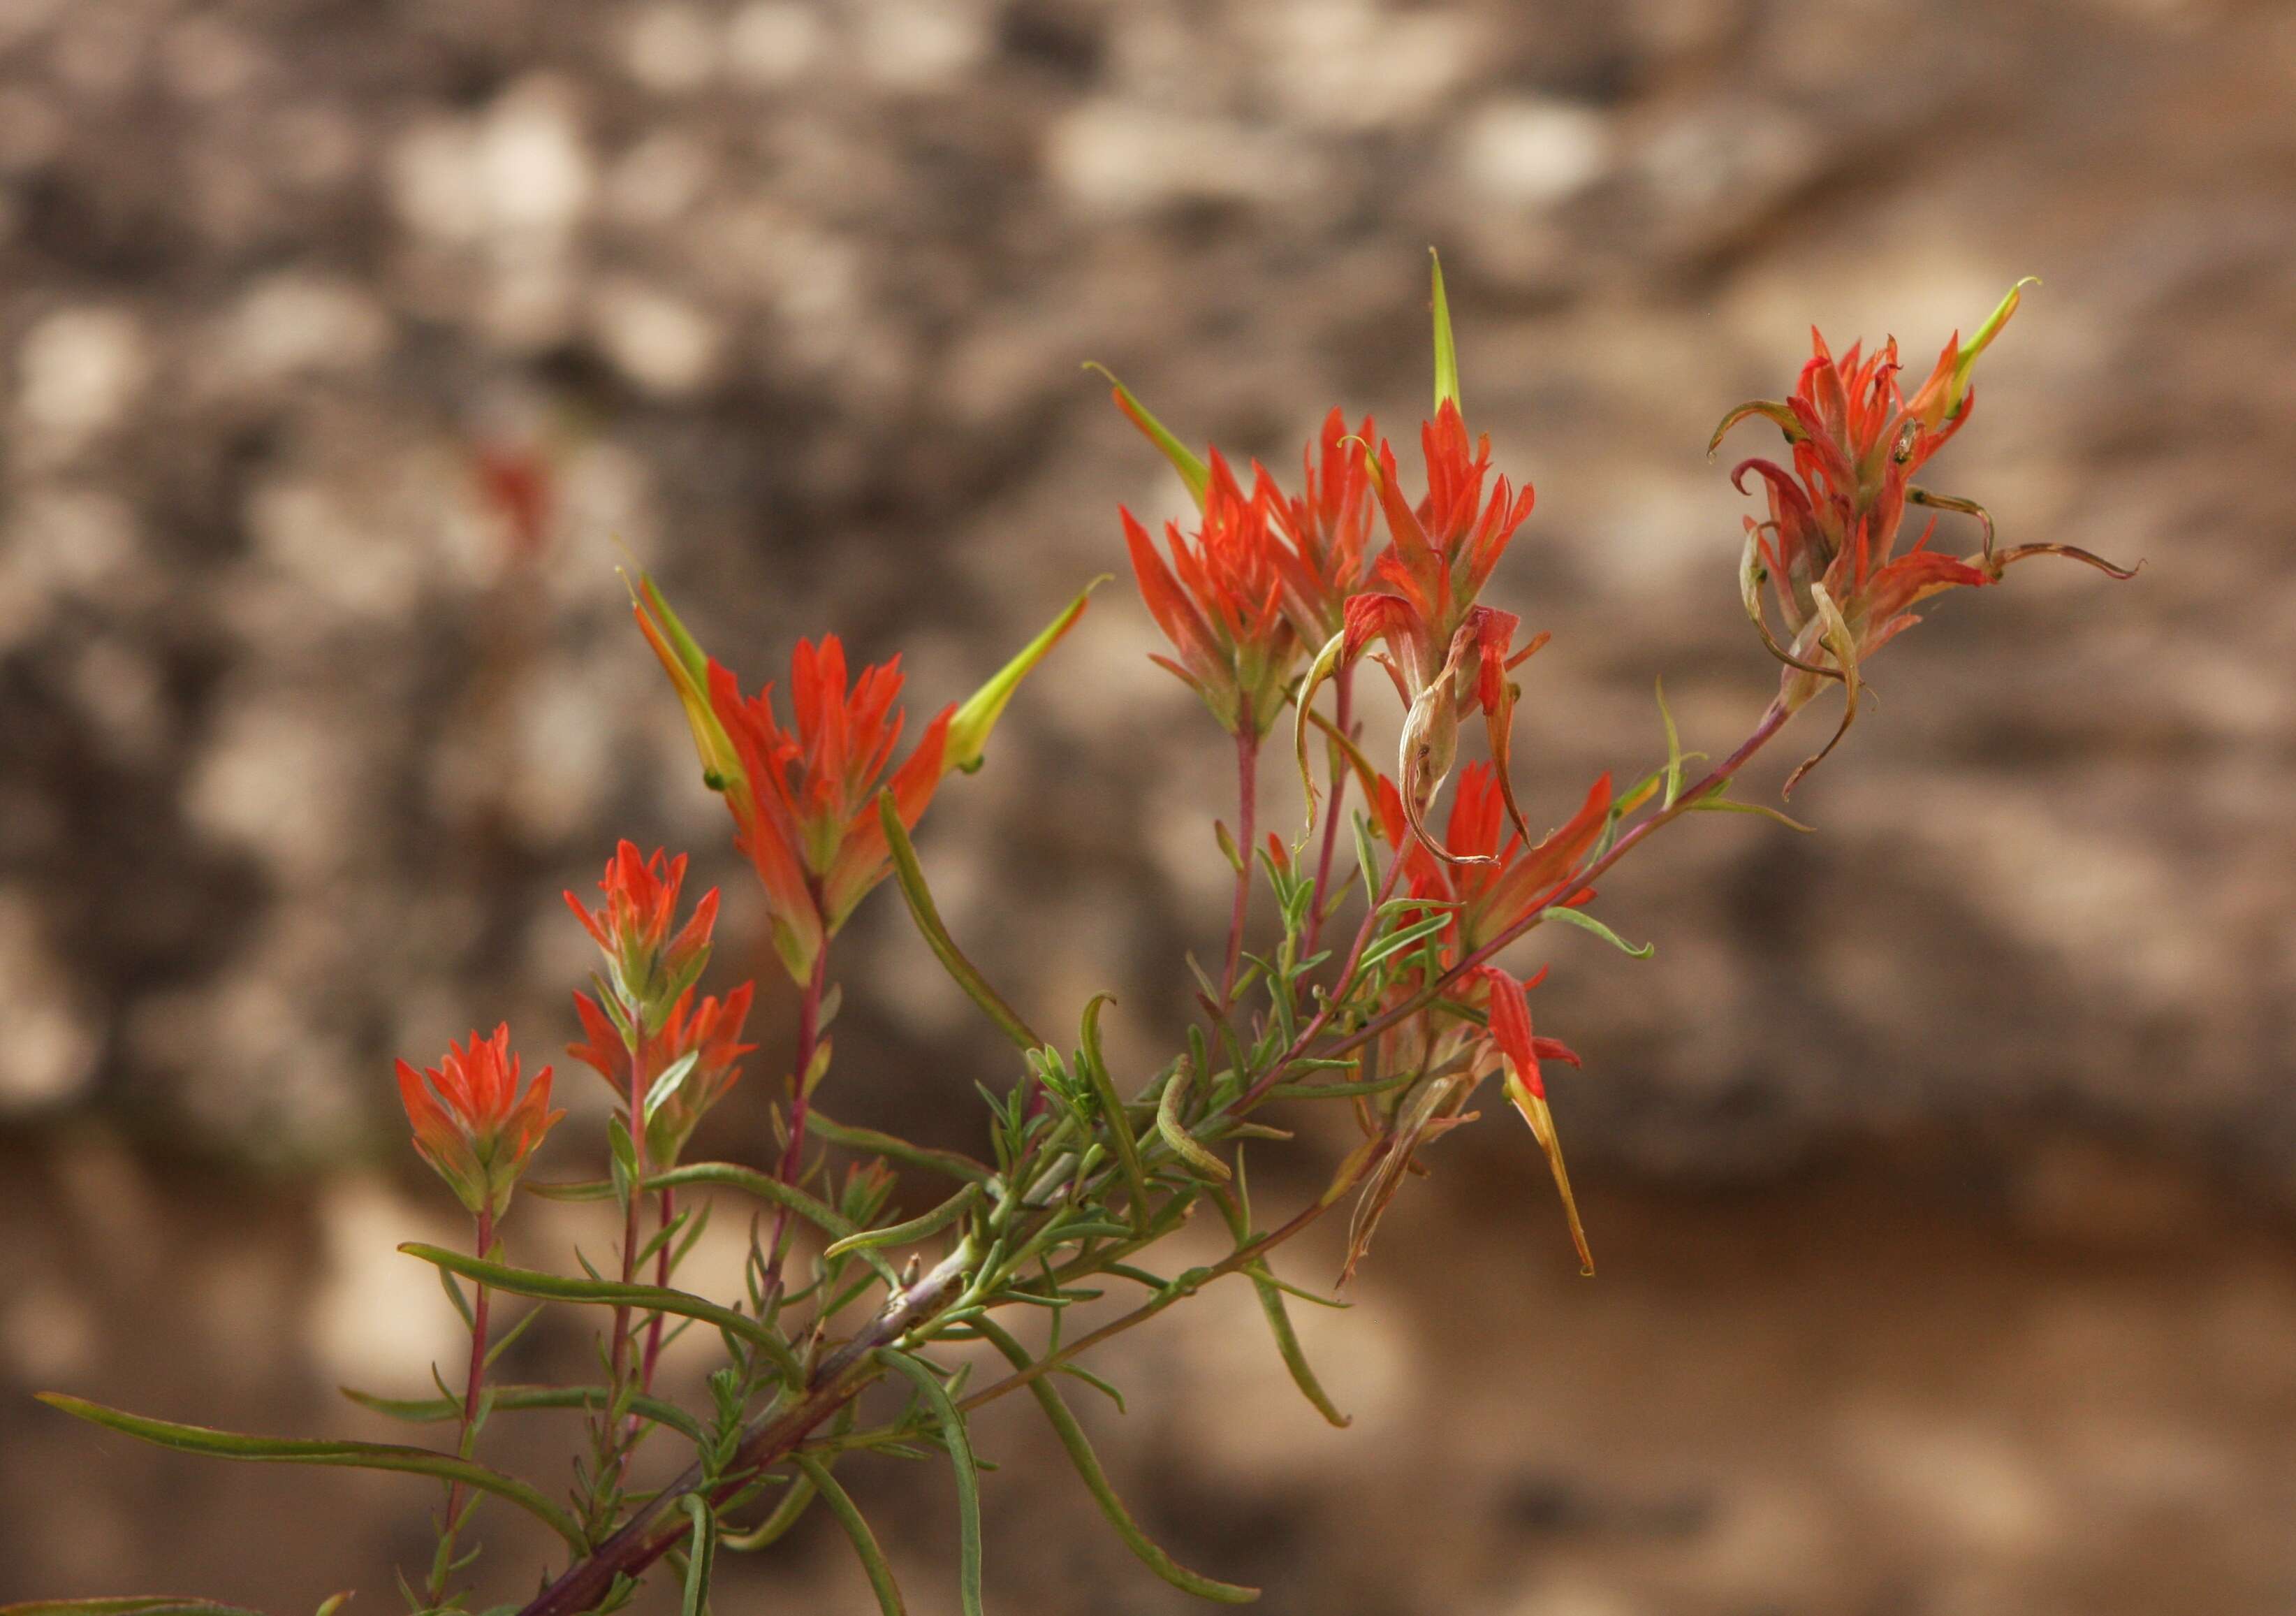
x,y
1184,460
1446,351
968,731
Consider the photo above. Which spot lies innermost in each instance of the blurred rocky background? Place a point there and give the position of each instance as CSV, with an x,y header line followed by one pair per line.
x,y
1941,1163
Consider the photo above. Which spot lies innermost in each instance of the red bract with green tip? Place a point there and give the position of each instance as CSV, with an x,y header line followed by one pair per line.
x,y
473,1123
693,1061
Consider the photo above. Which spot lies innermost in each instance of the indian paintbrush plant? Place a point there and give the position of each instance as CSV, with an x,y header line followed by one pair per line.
x,y
1380,989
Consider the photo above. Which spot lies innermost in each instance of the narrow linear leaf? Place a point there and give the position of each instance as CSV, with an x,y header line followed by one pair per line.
x,y
134,1604
910,876
702,1552
351,1455
968,1473
916,1228
588,1189
765,1186
1287,1345
1673,750
1588,922
1718,804
953,1163
856,1528
1120,1125
612,1293
439,1410
1096,1480
775,1526
1176,1134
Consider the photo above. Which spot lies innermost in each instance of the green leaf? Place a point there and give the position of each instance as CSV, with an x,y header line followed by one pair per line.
x,y
1184,460
136,1604
916,1228
1719,804
514,1399
969,728
701,1553
352,1456
613,1293
856,1528
1588,922
1111,1109
927,917
1403,940
968,1473
775,1526
1673,751
1446,350
1176,1134
951,1163
665,1086
767,1187
585,1189
1096,1480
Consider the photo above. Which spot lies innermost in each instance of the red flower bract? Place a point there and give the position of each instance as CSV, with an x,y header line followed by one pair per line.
x,y
1220,602
678,1093
472,1123
649,967
804,805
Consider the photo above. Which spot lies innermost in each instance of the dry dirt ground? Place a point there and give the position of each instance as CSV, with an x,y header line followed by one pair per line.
x,y
1939,1163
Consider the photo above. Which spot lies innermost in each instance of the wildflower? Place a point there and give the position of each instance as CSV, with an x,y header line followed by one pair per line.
x,y
1322,549
690,1063
649,968
803,800
1448,655
1220,602
472,1124
1829,547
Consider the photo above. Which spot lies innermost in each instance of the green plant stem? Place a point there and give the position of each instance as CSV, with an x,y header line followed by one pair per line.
x,y
666,1213
457,1504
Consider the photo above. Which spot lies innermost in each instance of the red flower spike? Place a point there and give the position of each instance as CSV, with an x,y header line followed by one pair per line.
x,y
648,967
678,1093
805,808
1829,548
1488,871
1220,601
472,1122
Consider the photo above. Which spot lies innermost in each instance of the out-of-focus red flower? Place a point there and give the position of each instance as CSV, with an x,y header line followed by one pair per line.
x,y
515,483
689,1062
1830,546
805,798
1322,549
472,1122
1220,602
650,969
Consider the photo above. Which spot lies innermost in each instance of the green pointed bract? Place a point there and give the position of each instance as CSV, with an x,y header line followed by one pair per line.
x,y
688,667
1446,350
1983,338
1185,460
969,729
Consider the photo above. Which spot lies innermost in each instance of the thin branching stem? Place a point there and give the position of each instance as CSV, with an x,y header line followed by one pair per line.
x,y
458,1502
1246,801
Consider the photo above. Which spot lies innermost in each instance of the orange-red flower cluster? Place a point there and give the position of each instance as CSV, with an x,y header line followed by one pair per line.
x,y
648,969
472,1121
1829,548
689,1062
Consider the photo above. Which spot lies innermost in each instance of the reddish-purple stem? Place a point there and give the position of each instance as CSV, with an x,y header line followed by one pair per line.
x,y
809,1041
1247,800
